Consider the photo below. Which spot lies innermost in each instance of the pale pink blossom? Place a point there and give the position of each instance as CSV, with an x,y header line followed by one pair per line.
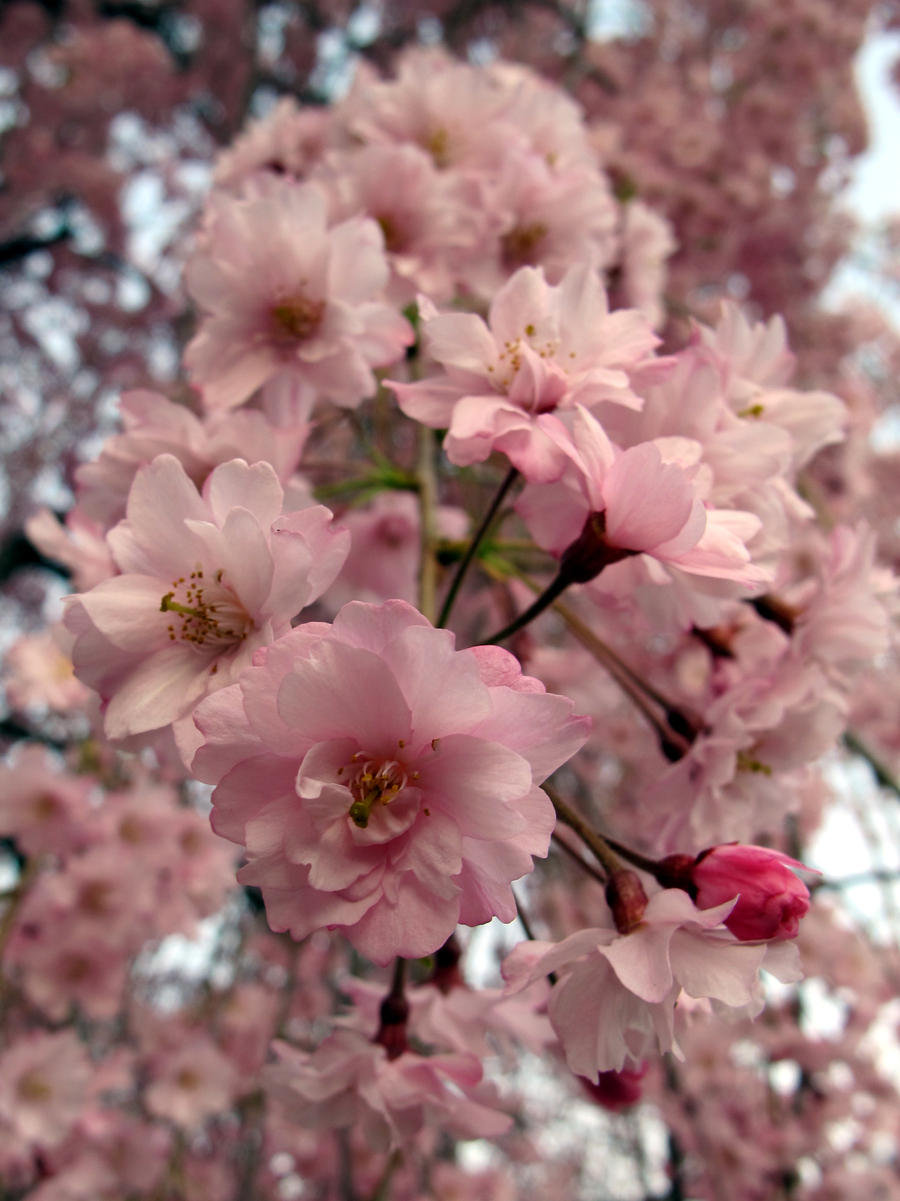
x,y
288,139
453,111
45,809
461,1018
284,297
540,216
43,1081
614,1003
38,673
95,895
384,783
154,425
57,965
732,781
79,543
842,620
205,580
759,364
386,548
191,1082
545,348
350,1081
647,243
429,218
645,500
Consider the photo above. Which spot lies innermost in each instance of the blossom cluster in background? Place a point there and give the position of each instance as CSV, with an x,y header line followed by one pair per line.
x,y
463,637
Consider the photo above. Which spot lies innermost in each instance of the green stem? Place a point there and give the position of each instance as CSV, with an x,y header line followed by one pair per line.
x,y
382,1189
573,854
556,586
606,856
642,861
428,522
477,538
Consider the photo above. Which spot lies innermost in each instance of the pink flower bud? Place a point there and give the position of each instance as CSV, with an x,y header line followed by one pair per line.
x,y
771,900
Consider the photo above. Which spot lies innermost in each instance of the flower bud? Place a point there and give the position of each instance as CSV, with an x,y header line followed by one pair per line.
x,y
616,1091
627,899
771,899
393,1015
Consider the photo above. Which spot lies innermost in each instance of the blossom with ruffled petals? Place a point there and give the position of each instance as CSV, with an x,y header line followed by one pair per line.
x,y
284,297
383,782
646,500
614,1003
349,1081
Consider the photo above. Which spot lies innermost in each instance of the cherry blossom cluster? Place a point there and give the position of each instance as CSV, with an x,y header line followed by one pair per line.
x,y
432,412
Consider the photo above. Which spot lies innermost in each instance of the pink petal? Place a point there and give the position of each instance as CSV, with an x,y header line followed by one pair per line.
x,y
341,690
236,485
158,691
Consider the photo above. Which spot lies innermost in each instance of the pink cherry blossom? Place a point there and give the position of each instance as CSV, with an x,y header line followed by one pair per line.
x,y
190,1082
276,307
79,544
38,673
644,500
43,1079
544,348
427,216
153,425
453,111
288,139
386,548
42,807
383,782
350,1081
647,242
205,580
540,216
614,1003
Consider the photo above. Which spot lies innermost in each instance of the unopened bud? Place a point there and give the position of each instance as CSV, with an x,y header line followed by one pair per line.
x,y
626,898
394,1015
446,975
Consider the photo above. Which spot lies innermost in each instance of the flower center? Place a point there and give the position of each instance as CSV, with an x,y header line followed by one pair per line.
x,y
33,1087
376,782
394,235
204,614
437,143
295,318
519,246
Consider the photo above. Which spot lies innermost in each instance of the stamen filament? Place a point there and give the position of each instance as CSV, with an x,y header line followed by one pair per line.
x,y
168,605
360,810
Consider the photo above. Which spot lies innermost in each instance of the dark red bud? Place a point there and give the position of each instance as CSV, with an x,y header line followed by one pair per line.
x,y
626,898
391,1034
